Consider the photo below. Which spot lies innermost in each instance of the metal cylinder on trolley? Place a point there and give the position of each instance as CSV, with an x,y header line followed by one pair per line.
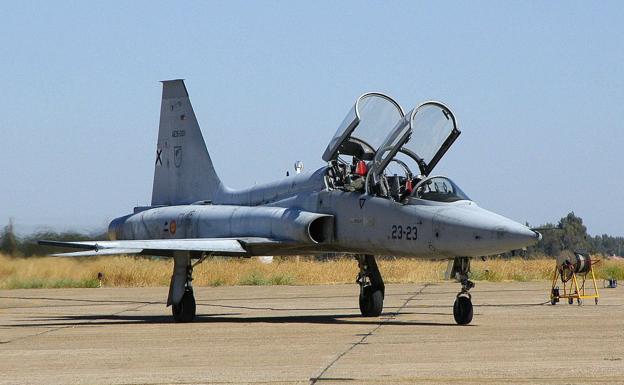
x,y
579,263
568,268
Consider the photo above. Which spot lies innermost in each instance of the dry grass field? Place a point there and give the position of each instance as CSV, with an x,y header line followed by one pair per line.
x,y
50,272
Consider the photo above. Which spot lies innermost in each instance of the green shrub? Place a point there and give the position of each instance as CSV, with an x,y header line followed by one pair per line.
x,y
282,279
217,282
611,271
485,275
520,277
254,279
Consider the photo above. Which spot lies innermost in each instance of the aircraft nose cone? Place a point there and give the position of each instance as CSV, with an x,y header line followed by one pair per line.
x,y
516,231
476,231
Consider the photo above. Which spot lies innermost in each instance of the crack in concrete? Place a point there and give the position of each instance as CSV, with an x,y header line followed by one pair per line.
x,y
69,326
389,317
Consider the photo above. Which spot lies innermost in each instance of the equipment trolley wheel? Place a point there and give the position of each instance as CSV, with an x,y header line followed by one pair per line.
x,y
554,296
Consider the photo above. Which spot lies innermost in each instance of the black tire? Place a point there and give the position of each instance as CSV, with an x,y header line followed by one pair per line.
x,y
185,310
462,310
570,301
554,296
371,302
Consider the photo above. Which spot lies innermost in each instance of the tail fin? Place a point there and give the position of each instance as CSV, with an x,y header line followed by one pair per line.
x,y
183,172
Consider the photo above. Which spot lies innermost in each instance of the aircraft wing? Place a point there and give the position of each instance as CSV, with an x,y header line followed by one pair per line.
x,y
159,246
91,253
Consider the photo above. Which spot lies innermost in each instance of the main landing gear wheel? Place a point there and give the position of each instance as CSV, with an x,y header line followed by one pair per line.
x,y
371,302
372,288
462,309
185,310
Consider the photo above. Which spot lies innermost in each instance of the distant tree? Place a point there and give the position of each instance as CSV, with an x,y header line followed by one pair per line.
x,y
550,244
574,233
9,242
29,245
607,245
569,235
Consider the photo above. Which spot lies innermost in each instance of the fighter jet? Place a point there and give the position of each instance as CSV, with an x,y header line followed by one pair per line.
x,y
376,196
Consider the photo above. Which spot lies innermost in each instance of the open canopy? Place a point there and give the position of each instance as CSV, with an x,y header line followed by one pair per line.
x,y
364,128
424,134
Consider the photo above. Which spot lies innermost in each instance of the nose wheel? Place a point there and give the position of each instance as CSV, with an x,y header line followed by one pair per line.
x,y
462,308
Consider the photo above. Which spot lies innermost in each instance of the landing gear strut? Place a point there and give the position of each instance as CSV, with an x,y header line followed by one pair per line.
x,y
372,287
462,308
181,290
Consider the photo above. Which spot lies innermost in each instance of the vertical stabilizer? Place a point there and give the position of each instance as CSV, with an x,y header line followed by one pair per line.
x,y
183,170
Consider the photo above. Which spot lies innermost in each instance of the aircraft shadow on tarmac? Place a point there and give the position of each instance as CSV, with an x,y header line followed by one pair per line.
x,y
354,318
126,319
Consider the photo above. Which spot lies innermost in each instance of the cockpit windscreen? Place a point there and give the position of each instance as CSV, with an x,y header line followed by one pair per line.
x,y
439,189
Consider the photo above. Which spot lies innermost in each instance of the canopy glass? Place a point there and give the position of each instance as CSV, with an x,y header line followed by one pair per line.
x,y
365,126
424,134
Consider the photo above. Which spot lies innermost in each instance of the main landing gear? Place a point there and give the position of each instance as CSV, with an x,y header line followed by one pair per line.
x,y
181,296
185,310
462,308
372,287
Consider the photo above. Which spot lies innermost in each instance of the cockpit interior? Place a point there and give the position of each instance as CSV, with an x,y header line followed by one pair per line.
x,y
380,150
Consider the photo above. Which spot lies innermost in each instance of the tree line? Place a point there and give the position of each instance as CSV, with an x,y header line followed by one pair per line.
x,y
25,246
569,234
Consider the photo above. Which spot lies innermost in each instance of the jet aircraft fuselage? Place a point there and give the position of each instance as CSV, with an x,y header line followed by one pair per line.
x,y
360,223
375,196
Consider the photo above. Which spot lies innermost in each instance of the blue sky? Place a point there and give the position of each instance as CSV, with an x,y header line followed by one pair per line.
x,y
537,87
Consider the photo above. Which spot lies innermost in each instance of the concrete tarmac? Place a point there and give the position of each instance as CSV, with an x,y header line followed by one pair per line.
x,y
309,335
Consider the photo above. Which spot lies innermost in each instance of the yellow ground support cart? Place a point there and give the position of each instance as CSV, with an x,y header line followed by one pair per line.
x,y
573,272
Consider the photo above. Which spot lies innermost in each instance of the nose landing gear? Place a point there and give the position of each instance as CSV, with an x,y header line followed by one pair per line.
x,y
372,287
462,308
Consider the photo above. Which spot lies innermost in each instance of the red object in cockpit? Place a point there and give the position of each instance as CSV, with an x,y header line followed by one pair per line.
x,y
409,186
361,168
